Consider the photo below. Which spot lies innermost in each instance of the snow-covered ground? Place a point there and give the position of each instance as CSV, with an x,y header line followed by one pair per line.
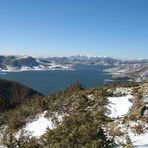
x,y
138,140
38,128
119,106
36,68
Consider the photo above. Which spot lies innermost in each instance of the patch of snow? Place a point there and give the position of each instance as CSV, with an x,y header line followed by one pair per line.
x,y
119,106
38,127
3,135
2,146
118,140
140,141
91,97
145,98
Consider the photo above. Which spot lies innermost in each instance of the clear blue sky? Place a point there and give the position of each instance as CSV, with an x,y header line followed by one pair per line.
x,y
116,28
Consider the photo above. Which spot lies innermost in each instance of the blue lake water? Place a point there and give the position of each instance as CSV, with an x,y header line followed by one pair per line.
x,y
51,81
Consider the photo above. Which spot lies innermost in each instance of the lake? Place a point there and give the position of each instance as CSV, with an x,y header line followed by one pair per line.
x,y
51,81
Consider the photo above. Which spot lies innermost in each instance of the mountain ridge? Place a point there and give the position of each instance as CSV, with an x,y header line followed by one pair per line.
x,y
26,63
136,70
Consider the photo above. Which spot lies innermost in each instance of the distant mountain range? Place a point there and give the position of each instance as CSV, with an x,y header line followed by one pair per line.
x,y
135,69
25,63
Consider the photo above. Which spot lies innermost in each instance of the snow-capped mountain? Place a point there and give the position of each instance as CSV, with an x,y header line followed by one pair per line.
x,y
25,63
132,69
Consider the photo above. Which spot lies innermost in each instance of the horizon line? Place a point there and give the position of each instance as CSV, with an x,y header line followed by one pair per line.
x,y
86,55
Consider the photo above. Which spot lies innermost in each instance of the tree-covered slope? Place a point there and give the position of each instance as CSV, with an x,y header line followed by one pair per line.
x,y
12,94
77,118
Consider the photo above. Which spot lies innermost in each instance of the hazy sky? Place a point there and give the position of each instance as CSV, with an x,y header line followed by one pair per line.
x,y
117,28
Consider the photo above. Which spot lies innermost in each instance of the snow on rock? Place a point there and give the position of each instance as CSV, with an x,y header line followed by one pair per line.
x,y
91,97
119,106
123,90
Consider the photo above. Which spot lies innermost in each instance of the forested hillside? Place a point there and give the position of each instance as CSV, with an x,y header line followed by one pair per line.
x,y
80,118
